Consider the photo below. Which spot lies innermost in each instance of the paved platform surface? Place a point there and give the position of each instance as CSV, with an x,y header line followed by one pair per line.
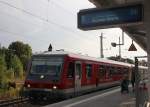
x,y
107,98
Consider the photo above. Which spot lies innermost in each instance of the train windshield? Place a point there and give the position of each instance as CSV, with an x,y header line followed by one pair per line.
x,y
49,66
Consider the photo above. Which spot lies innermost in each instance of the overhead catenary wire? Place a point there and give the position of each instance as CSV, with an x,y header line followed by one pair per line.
x,y
20,37
59,6
22,21
14,34
69,12
46,20
18,34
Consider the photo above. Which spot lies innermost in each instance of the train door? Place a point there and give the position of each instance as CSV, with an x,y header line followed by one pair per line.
x,y
102,73
78,73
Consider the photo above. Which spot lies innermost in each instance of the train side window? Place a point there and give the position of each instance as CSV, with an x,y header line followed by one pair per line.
x,y
109,71
125,71
88,70
119,70
70,72
78,71
112,70
102,71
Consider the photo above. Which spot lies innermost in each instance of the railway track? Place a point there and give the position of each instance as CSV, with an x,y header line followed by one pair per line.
x,y
18,102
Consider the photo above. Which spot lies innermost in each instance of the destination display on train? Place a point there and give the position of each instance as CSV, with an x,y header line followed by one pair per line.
x,y
94,18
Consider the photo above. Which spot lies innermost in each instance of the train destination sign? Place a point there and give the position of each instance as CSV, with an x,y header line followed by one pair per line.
x,y
91,19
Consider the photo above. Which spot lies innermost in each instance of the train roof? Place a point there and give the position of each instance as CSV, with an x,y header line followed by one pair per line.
x,y
84,57
143,67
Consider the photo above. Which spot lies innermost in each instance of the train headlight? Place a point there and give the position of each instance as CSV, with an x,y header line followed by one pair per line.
x,y
42,76
54,87
28,85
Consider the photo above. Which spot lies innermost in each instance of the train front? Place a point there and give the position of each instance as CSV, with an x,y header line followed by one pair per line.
x,y
44,77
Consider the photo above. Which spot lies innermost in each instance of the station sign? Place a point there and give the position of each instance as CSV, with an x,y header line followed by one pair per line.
x,y
91,19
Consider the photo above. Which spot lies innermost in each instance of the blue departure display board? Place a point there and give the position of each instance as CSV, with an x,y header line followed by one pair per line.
x,y
95,18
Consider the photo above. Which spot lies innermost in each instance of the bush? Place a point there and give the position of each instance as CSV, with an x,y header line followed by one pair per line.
x,y
2,70
17,67
21,50
11,70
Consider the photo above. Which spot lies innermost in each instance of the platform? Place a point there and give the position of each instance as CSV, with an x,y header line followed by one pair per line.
x,y
107,98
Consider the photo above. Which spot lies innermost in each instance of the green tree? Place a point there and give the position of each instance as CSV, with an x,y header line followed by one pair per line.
x,y
8,58
121,59
17,67
3,50
113,58
23,51
130,61
2,69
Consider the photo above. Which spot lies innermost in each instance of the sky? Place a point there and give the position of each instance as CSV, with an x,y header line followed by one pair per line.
x,y
41,22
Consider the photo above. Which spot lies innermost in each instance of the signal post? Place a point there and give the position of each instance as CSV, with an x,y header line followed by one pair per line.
x,y
147,28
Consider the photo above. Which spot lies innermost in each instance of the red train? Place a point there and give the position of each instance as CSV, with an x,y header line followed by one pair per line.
x,y
62,74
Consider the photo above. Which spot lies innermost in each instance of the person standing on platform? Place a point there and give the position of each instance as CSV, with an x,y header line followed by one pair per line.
x,y
124,84
133,79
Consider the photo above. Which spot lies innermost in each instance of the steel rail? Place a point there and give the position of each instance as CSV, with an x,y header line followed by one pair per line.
x,y
16,101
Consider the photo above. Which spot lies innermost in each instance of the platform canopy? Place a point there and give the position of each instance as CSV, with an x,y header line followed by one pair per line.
x,y
136,32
